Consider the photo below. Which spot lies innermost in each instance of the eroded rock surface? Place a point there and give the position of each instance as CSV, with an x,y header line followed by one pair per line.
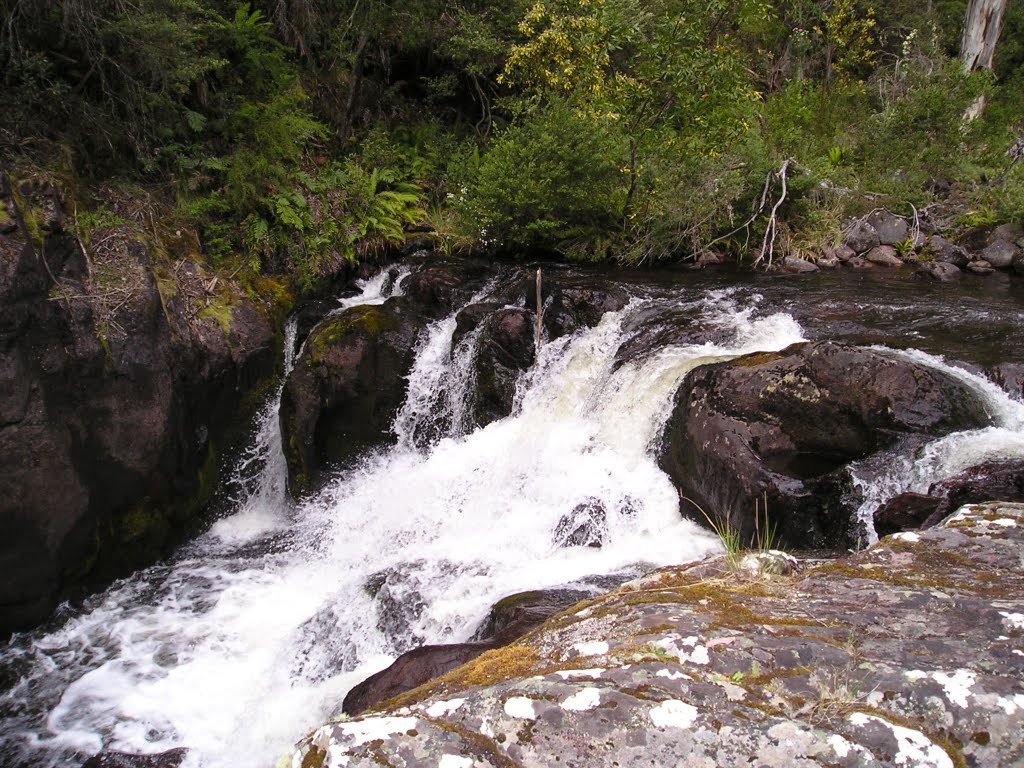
x,y
908,654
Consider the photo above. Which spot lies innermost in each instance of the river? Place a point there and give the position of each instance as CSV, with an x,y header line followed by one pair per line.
x,y
253,633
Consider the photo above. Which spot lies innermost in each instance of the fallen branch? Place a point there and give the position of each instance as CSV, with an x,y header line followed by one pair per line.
x,y
540,319
771,231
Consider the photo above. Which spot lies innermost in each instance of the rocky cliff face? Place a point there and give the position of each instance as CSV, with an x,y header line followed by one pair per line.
x,y
910,653
123,368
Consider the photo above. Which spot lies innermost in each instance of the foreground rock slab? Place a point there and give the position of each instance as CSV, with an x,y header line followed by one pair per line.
x,y
910,653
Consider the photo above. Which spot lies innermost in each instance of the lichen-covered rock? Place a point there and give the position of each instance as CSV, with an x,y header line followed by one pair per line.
x,y
944,251
1000,254
908,654
345,388
942,271
776,430
860,236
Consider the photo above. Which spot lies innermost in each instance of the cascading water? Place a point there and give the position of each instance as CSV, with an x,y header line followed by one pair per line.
x,y
254,633
946,456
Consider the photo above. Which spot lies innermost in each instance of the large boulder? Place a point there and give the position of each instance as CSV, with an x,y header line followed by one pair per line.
x,y
905,654
122,383
770,434
891,229
346,387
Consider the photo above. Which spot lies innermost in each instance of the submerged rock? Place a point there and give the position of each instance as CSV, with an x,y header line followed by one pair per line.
x,y
676,669
171,759
769,435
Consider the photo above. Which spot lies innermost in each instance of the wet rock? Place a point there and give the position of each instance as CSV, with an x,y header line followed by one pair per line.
x,y
891,229
884,256
1010,376
504,349
345,388
860,236
980,267
111,759
906,512
859,262
796,265
400,605
774,431
657,326
941,271
442,285
410,670
1018,262
514,616
813,669
945,251
575,306
1000,480
1000,254
113,414
508,620
583,527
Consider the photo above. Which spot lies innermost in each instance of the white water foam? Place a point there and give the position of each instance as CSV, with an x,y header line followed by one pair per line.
x,y
947,456
253,637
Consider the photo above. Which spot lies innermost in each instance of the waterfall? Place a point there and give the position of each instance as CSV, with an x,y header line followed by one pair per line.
x,y
253,634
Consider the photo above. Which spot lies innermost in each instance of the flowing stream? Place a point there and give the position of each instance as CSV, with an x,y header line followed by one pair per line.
x,y
254,632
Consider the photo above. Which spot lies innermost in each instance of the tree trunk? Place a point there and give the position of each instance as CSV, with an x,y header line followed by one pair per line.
x,y
981,32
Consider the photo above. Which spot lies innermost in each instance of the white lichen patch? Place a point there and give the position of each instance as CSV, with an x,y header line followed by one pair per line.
x,y
907,536
733,692
593,648
373,728
673,714
576,674
1013,620
583,701
913,747
442,708
1011,704
672,675
839,745
485,727
677,648
1006,522
957,685
520,708
454,761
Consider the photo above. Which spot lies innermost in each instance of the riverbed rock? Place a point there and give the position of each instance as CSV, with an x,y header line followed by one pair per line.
x,y
1010,376
442,285
121,386
172,758
884,256
945,251
905,512
1000,253
674,668
860,236
941,271
891,229
346,387
504,349
771,434
980,267
795,265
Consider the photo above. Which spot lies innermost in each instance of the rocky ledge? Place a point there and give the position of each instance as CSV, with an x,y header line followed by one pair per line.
x,y
909,653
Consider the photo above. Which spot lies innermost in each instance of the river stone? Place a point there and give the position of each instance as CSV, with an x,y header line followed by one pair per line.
x,y
942,271
111,759
1000,254
884,256
945,251
777,429
1010,376
1010,232
345,388
504,349
999,479
980,267
443,284
907,654
860,236
891,229
859,262
905,512
796,265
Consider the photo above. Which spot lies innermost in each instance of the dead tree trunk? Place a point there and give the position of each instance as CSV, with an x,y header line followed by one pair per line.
x,y
982,25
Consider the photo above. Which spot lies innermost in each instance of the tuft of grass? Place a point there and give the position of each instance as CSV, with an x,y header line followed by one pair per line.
x,y
765,532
